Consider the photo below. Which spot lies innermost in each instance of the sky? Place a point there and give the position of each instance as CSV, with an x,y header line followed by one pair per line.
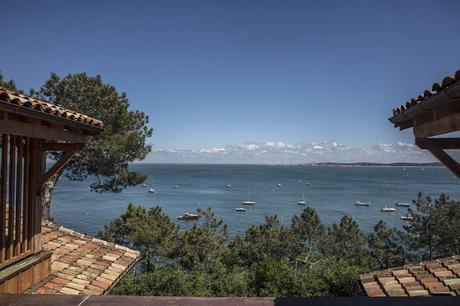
x,y
247,81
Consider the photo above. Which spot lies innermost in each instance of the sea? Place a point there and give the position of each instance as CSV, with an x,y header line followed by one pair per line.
x,y
332,191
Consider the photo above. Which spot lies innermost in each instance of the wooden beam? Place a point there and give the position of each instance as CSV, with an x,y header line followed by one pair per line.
x,y
447,124
38,131
438,143
60,146
447,161
69,151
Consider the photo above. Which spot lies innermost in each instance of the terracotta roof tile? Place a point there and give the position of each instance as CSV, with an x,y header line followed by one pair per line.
x,y
436,277
435,89
21,100
82,264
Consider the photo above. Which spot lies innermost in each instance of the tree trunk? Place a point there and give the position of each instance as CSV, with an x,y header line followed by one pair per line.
x,y
47,191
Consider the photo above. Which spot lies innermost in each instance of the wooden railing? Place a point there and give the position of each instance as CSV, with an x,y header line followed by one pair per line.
x,y
18,220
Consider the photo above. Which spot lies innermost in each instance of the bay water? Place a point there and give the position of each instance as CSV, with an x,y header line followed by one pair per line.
x,y
276,190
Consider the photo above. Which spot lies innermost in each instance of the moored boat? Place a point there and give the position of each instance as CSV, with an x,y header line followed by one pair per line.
x,y
249,201
359,203
388,209
188,217
151,190
400,204
302,202
240,209
407,217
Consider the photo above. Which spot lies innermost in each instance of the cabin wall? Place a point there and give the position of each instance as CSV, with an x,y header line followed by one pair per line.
x,y
25,274
22,163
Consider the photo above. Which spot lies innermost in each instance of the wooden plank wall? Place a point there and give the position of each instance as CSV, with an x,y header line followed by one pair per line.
x,y
20,221
26,276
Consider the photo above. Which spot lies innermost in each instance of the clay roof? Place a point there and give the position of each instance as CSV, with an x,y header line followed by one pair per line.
x,y
435,92
22,101
437,277
82,264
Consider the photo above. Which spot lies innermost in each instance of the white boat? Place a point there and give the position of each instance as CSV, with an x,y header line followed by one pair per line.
x,y
359,203
249,201
151,190
188,217
144,185
240,209
388,209
175,187
279,185
229,186
403,204
302,202
407,217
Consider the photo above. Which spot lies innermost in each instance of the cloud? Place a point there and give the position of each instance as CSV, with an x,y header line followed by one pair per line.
x,y
272,152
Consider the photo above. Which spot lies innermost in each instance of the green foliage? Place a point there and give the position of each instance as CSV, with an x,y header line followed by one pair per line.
x,y
203,246
345,241
123,140
435,228
269,239
8,84
149,231
305,258
341,277
385,247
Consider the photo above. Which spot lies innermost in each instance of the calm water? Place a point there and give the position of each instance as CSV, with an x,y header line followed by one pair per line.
x,y
332,191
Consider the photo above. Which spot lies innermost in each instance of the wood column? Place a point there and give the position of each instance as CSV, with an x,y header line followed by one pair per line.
x,y
37,168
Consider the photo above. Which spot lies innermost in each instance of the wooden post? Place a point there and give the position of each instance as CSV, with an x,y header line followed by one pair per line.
x,y
38,164
26,200
17,239
3,197
11,193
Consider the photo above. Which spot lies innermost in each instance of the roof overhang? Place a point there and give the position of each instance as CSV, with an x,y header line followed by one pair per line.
x,y
436,112
436,115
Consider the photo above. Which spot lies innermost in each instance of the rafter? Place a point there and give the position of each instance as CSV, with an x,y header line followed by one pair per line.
x,y
69,149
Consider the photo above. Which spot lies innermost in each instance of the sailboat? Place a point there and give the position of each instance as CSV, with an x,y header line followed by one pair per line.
x,y
249,201
302,202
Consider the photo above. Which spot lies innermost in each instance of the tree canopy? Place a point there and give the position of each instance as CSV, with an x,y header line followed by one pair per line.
x,y
123,139
305,258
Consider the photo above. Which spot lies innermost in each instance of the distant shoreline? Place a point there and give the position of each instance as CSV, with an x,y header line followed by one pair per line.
x,y
367,164
322,164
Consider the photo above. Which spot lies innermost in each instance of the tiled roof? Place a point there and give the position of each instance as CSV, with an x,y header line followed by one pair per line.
x,y
21,100
82,264
436,88
437,277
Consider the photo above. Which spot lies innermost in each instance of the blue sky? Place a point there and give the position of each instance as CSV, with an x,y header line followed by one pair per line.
x,y
223,80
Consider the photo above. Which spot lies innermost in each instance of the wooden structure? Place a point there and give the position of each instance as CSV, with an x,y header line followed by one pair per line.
x,y
29,128
435,112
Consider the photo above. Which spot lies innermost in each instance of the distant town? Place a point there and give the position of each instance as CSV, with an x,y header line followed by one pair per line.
x,y
369,164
